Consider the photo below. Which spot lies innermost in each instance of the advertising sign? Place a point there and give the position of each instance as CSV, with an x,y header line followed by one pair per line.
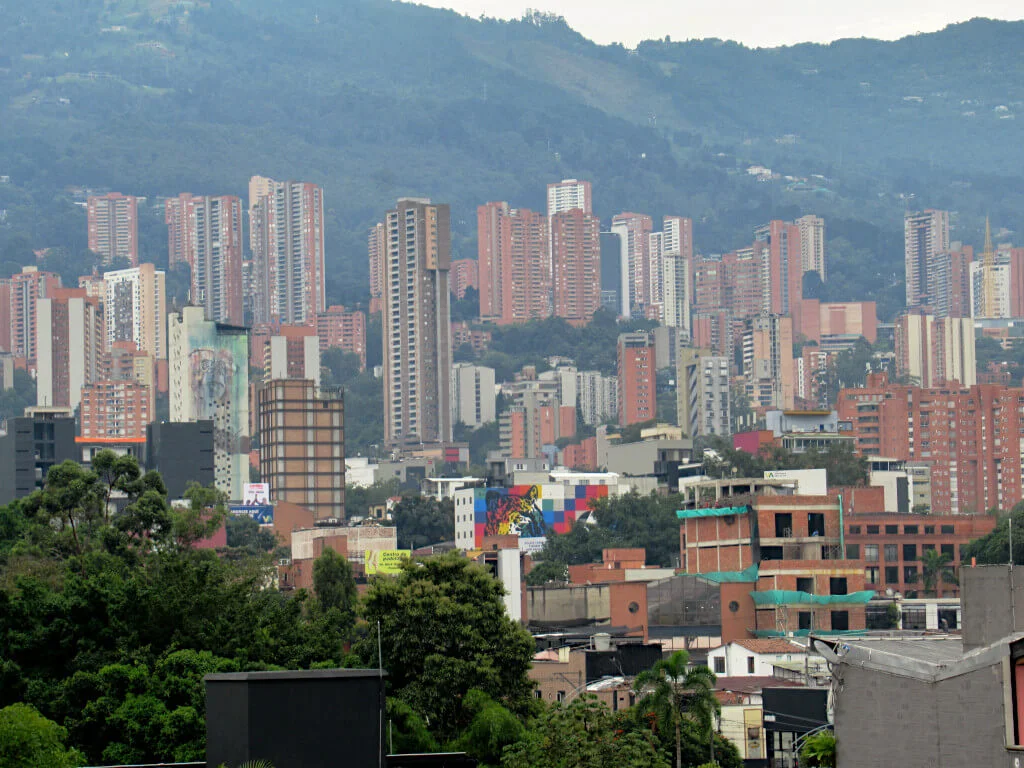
x,y
256,494
385,561
261,513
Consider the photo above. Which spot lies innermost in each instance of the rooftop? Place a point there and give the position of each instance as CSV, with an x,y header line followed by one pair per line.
x,y
770,645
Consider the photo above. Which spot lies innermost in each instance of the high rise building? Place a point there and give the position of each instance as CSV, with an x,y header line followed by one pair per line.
x,y
677,300
812,244
702,393
286,232
115,409
339,327
209,379
768,362
949,281
995,279
925,235
114,227
597,397
569,195
641,274
5,314
180,230
417,324
535,421
292,356
215,250
69,329
135,308
934,352
782,269
464,275
26,288
514,269
971,436
302,445
378,252
576,265
473,394
638,400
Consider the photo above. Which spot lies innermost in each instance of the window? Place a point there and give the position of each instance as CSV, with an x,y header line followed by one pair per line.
x,y
853,551
854,529
927,548
892,530
719,665
805,584
815,524
892,553
910,574
750,665
560,696
871,553
871,575
947,618
837,585
929,530
910,530
947,549
804,620
872,529
538,693
783,525
914,617
947,530
771,553
840,620
892,574
910,551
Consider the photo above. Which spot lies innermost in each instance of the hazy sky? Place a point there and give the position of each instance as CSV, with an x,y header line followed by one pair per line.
x,y
748,21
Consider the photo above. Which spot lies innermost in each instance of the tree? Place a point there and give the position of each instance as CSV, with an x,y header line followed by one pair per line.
x,y
584,734
492,729
819,750
673,692
444,632
334,582
936,568
29,740
421,521
994,547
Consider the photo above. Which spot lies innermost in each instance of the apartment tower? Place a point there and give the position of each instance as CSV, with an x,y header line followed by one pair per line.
x,y
69,325
377,250
576,265
702,393
634,230
514,268
417,324
24,292
135,308
925,235
637,379
113,221
812,244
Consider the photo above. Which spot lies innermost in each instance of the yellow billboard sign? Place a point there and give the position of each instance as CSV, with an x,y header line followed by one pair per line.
x,y
387,561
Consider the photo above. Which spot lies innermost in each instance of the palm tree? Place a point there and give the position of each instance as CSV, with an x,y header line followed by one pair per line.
x,y
672,691
936,566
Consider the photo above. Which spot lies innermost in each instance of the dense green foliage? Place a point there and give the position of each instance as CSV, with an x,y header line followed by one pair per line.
x,y
29,740
819,750
422,521
994,548
364,397
843,467
14,400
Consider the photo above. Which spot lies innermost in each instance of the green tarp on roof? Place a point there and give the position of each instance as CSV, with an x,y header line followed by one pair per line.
x,y
792,597
689,514
748,575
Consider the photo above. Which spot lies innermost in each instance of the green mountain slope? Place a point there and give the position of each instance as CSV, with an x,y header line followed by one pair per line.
x,y
376,99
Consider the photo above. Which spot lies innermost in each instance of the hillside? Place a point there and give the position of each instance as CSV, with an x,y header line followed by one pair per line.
x,y
375,99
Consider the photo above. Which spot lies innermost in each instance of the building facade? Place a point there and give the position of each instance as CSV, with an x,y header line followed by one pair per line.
x,y
24,291
69,325
135,308
344,329
925,235
768,362
417,324
473,394
113,221
576,265
464,275
935,351
597,397
640,269
216,253
703,393
514,264
638,399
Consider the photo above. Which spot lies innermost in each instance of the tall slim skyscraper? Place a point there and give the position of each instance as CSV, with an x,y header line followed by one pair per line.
x,y
768,362
576,265
417,324
513,263
114,227
209,379
672,248
782,272
217,267
135,308
286,231
69,329
935,352
26,288
925,235
378,253
180,230
637,277
812,244
638,401
302,445
568,195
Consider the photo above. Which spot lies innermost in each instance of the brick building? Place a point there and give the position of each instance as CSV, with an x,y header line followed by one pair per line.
x,y
891,547
339,327
637,379
936,350
576,265
116,409
26,288
971,436
113,221
514,270
464,275
69,345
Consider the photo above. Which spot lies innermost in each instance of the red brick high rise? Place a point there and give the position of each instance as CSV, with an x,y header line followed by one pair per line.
x,y
114,227
180,229
638,400
782,269
513,264
971,436
27,287
5,314
116,409
377,250
576,265
69,346
338,327
464,275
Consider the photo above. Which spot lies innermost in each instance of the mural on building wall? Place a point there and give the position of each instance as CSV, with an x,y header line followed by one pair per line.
x,y
531,512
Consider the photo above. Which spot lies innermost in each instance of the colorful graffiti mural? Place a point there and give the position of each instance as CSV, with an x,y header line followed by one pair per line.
x,y
531,512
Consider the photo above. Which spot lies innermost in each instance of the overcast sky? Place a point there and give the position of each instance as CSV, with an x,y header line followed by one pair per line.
x,y
755,23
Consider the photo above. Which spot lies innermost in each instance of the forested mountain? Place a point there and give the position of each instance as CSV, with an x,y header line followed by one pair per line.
x,y
374,99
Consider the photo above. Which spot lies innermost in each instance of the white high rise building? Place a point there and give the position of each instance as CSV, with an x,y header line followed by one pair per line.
x,y
473,394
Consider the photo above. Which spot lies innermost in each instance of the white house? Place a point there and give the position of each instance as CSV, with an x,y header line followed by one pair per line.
x,y
753,658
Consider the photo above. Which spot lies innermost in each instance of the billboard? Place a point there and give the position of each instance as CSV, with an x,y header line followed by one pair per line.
x,y
261,513
256,494
385,561
531,511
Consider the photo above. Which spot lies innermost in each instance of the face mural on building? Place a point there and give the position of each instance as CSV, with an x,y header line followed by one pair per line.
x,y
515,513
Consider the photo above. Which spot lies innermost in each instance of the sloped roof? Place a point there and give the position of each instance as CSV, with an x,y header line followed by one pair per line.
x,y
770,645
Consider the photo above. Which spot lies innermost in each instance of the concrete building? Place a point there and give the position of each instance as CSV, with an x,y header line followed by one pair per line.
x,y
677,299
292,356
640,269
568,195
113,221
302,445
25,289
217,258
781,268
754,657
69,327
417,325
638,400
464,275
1001,280
812,244
6,371
473,394
135,308
936,351
703,398
209,372
892,545
116,410
833,322
29,447
575,265
535,420
597,397
925,234
377,249
344,329
514,264
286,234
768,362
949,281
181,453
